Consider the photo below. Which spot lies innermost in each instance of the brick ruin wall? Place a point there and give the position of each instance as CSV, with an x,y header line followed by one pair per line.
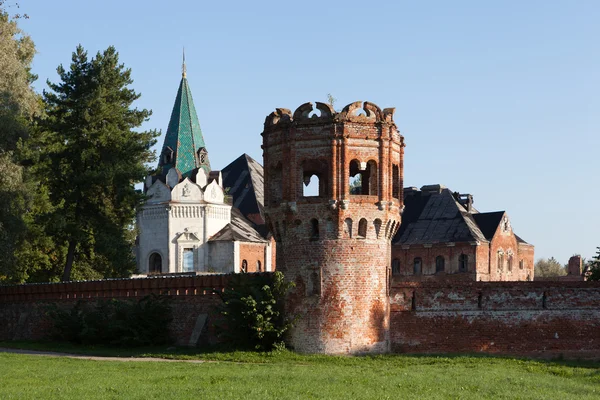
x,y
539,319
195,306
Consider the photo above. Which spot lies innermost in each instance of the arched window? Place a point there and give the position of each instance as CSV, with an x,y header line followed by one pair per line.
x,y
417,266
314,178
440,264
396,267
187,264
377,225
521,264
500,260
276,191
315,284
258,266
509,263
362,228
363,178
314,229
155,264
463,263
396,181
244,268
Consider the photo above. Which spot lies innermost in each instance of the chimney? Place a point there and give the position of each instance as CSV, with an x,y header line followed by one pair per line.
x,y
575,264
466,200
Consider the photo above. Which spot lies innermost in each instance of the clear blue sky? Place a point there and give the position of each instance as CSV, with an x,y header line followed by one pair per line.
x,y
498,99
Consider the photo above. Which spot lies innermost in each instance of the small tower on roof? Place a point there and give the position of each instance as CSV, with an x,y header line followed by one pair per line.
x,y
184,147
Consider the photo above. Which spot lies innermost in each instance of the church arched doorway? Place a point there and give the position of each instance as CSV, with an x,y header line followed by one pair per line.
x,y
155,264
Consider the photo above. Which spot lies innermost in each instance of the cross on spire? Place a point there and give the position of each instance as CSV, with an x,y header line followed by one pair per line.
x,y
183,69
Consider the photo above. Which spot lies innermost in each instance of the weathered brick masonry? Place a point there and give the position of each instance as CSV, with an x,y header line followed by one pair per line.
x,y
335,244
195,307
541,319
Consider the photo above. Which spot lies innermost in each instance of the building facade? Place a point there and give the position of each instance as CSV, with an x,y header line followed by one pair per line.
x,y
188,225
443,236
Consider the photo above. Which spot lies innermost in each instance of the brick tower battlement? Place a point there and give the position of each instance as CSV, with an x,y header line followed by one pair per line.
x,y
335,242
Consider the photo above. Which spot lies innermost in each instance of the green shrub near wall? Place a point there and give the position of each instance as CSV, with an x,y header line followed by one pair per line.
x,y
116,322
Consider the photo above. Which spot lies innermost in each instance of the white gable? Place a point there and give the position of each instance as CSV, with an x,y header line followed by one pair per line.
x,y
214,193
186,191
158,193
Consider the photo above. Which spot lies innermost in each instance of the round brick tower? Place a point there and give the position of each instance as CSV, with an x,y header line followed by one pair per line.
x,y
334,241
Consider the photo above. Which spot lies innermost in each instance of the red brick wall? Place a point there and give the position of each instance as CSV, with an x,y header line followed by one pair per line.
x,y
23,307
253,253
407,254
542,319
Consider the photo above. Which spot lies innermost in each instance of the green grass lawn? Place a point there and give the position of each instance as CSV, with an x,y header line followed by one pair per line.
x,y
288,375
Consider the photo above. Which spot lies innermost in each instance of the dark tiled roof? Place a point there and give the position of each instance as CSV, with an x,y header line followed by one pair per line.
x,y
488,222
436,217
244,178
240,229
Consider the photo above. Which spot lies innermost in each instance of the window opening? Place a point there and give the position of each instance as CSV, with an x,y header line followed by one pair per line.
x,y
396,267
521,264
417,266
348,223
314,229
311,186
377,225
362,228
258,266
244,266
363,178
315,284
440,264
500,260
396,182
510,262
463,263
188,260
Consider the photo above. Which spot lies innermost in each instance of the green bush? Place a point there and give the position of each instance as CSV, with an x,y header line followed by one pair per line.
x,y
115,322
253,310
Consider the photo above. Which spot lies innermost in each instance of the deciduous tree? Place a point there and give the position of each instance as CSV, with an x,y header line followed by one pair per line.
x,y
549,267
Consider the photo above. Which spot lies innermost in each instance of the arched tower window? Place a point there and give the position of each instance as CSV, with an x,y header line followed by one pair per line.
x,y
440,264
314,229
396,267
463,263
155,264
276,192
396,181
377,225
362,228
314,178
363,178
417,266
244,268
315,284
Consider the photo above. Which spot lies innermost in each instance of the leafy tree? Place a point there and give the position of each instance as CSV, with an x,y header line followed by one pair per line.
x,y
593,271
91,158
549,267
253,310
21,197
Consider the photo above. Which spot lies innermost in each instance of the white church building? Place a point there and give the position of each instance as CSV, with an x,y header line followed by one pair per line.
x,y
187,224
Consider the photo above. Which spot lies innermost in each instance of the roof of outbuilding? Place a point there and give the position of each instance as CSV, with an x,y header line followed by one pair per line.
x,y
244,177
437,217
239,229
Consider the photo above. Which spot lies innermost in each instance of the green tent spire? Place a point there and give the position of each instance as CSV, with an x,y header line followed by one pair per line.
x,y
184,146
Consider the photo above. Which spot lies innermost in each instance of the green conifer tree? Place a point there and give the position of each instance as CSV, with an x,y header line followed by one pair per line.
x,y
92,157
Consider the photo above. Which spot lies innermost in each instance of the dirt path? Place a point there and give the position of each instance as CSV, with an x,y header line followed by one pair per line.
x,y
96,358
